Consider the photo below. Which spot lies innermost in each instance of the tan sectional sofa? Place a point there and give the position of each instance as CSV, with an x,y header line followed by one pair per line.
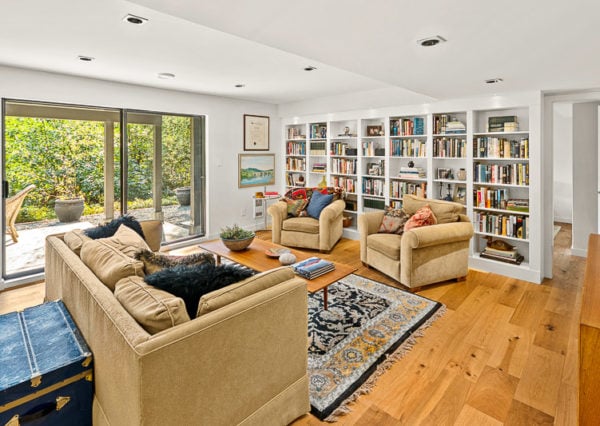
x,y
242,362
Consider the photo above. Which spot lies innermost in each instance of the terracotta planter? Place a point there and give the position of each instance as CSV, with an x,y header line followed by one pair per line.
x,y
69,210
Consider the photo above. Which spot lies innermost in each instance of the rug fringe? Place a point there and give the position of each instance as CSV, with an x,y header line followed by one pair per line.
x,y
385,365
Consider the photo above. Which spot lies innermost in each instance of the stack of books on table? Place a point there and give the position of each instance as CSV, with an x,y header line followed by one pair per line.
x,y
508,256
313,267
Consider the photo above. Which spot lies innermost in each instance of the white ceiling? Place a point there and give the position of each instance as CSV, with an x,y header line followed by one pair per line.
x,y
356,45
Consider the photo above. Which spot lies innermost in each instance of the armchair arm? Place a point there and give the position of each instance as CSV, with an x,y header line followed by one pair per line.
x,y
368,223
278,212
331,225
436,234
332,211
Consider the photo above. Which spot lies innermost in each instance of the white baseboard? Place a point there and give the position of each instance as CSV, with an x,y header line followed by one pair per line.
x,y
578,252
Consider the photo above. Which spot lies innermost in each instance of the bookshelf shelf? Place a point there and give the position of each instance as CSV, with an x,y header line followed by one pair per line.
x,y
519,132
504,237
503,211
504,185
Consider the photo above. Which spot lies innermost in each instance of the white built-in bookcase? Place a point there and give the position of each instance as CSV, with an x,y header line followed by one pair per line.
x,y
365,152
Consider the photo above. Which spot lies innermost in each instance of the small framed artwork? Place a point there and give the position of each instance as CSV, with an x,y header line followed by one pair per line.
x,y
256,170
256,133
460,194
374,130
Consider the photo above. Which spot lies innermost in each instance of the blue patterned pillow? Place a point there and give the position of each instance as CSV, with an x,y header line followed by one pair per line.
x,y
317,203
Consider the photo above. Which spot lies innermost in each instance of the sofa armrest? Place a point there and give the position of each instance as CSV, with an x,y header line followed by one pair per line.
x,y
444,233
278,212
368,223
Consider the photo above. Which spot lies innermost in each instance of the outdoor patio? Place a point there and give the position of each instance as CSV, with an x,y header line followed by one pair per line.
x,y
28,252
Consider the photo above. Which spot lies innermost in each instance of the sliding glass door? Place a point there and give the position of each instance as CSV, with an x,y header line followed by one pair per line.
x,y
147,164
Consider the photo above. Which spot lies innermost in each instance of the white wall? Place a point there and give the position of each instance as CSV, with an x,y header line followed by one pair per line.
x,y
563,162
585,175
225,200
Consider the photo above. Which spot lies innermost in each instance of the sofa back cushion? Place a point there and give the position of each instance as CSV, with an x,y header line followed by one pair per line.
x,y
153,230
155,310
108,263
444,211
234,292
74,240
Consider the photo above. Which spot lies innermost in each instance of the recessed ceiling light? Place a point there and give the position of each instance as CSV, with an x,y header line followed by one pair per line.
x,y
166,75
85,58
240,85
493,80
136,20
310,68
431,41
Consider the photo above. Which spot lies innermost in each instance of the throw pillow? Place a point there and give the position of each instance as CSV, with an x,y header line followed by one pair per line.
x,y
317,203
127,241
154,262
75,239
423,217
393,221
294,207
108,230
299,194
191,282
155,310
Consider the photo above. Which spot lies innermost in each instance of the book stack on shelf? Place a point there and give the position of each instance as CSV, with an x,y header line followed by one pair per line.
x,y
455,127
408,148
506,123
518,205
319,167
343,165
412,173
507,256
339,148
313,267
318,148
371,203
491,198
492,147
295,133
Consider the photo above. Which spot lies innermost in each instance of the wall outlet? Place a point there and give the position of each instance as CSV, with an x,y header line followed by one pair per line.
x,y
244,211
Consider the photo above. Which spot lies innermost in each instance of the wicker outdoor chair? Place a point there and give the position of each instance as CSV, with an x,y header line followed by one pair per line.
x,y
13,205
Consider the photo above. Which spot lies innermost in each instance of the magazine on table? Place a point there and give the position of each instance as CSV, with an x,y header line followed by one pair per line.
x,y
313,267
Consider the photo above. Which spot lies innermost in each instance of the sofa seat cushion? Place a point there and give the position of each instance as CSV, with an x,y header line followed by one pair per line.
x,y
444,211
108,263
234,292
75,239
386,244
308,225
154,309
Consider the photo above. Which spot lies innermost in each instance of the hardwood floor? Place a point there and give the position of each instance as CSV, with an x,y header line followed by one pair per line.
x,y
505,352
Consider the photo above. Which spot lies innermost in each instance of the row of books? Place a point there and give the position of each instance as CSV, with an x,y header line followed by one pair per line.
x,y
295,164
505,123
313,267
408,148
509,174
295,133
373,186
372,203
341,148
412,173
407,126
507,256
398,189
318,130
490,198
450,147
296,148
349,184
318,148
500,148
372,148
343,165
294,179
507,225
319,167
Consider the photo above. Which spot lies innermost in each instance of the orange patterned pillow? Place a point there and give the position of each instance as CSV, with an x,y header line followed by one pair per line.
x,y
422,217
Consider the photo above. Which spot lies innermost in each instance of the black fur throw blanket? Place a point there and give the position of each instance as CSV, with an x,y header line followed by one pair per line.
x,y
192,282
154,262
109,229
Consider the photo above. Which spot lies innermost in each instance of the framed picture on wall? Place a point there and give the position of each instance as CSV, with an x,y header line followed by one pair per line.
x,y
460,194
256,170
256,133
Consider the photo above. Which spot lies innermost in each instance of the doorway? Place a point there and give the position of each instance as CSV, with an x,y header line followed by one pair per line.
x,y
115,161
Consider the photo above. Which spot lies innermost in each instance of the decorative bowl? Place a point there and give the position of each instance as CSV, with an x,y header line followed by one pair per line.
x,y
238,245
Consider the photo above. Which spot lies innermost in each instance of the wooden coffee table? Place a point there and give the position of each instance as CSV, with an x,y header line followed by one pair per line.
x,y
254,257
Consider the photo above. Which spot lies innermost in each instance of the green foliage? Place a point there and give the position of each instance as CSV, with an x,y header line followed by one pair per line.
x,y
65,159
235,232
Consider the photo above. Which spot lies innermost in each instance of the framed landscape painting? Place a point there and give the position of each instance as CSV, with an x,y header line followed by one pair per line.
x,y
256,170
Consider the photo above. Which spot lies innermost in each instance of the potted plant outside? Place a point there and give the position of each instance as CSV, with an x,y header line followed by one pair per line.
x,y
236,238
183,195
69,202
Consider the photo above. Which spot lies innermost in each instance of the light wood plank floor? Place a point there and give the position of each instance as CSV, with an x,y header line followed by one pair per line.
x,y
504,353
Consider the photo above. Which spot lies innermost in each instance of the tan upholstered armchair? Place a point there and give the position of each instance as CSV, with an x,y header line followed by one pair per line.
x,y
421,256
307,232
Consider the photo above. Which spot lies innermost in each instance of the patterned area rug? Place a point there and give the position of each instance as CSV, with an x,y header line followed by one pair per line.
x,y
367,327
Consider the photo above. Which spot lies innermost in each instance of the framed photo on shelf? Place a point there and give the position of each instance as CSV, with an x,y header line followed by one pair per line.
x,y
256,170
460,194
374,130
256,132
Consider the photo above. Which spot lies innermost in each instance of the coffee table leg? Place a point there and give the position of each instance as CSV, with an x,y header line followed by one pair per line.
x,y
218,259
325,298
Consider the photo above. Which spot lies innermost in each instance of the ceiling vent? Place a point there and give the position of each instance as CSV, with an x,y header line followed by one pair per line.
x,y
136,20
431,41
